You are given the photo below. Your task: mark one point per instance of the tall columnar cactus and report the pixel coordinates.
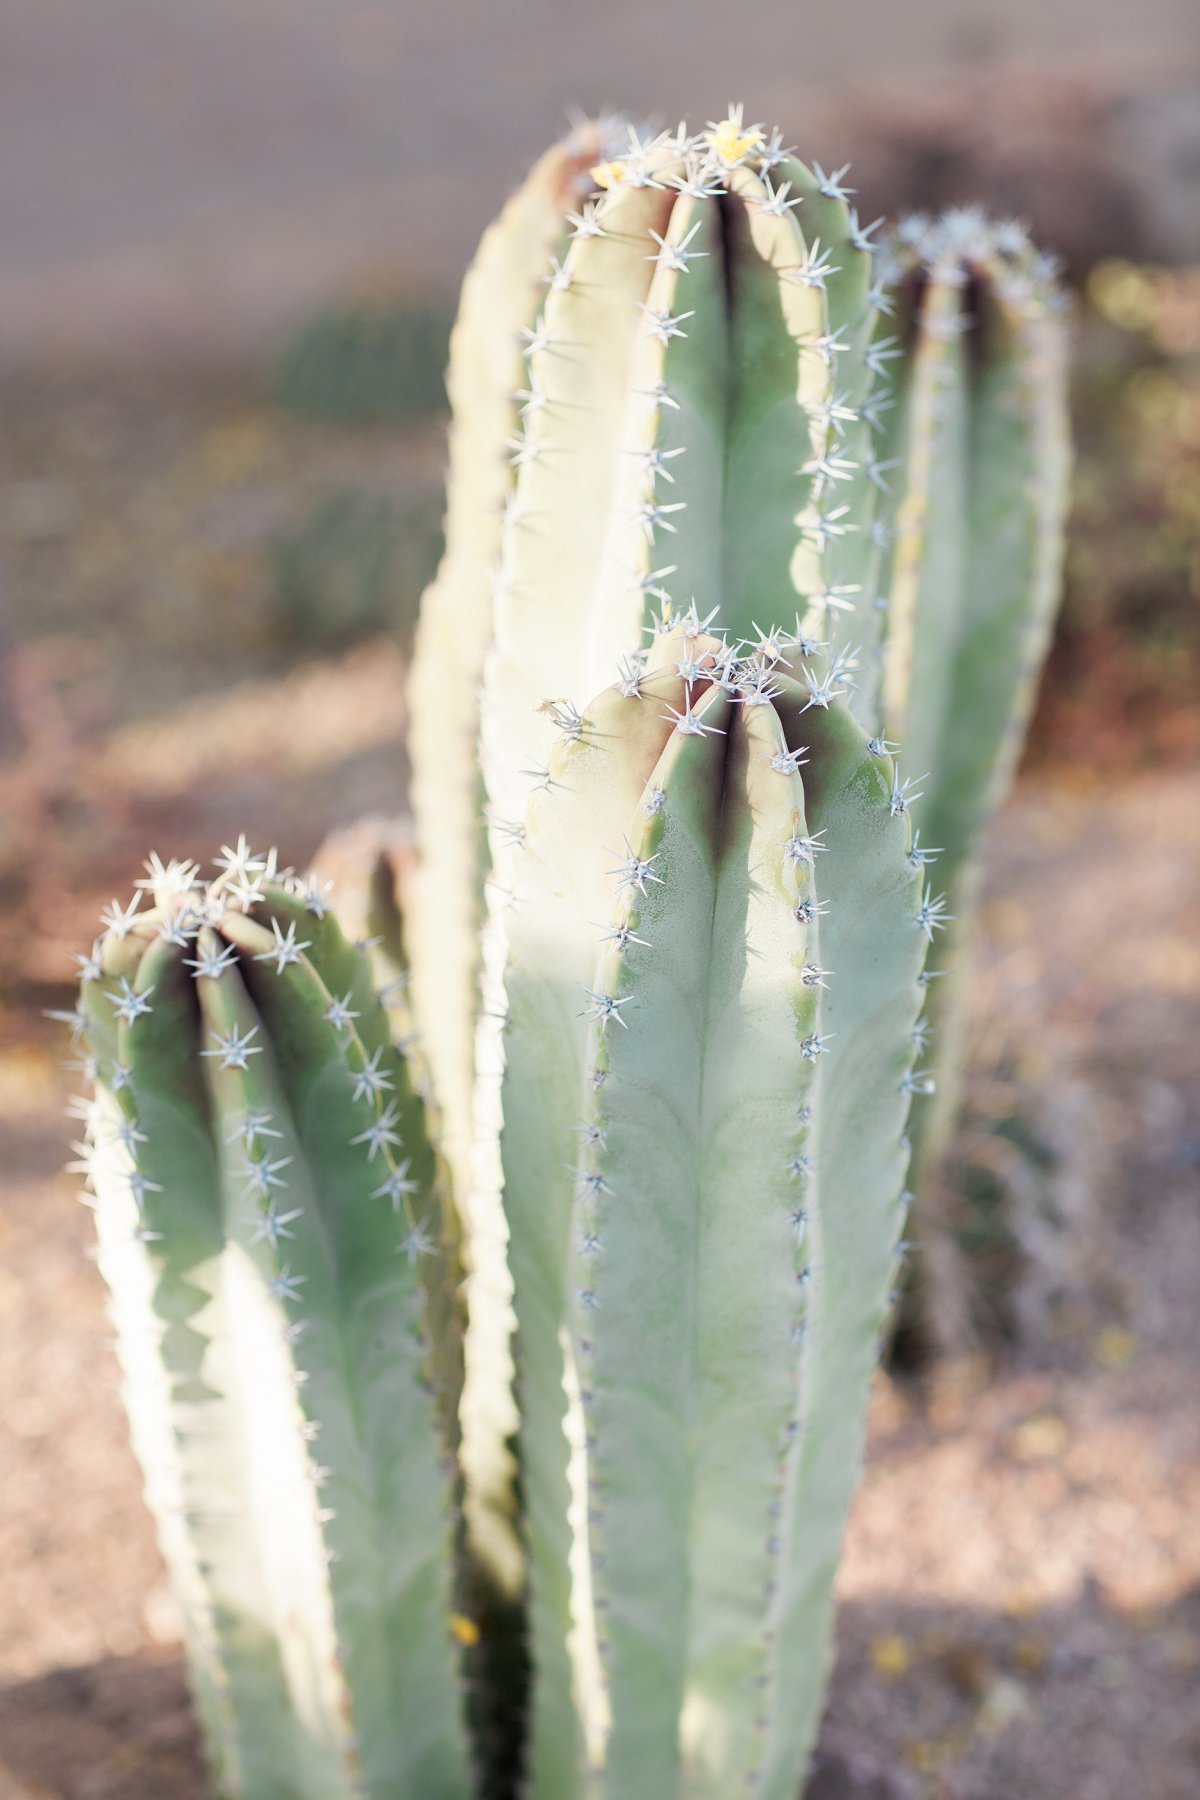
(282, 1276)
(978, 447)
(682, 416)
(715, 943)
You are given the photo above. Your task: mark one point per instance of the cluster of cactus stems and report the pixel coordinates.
(737, 505)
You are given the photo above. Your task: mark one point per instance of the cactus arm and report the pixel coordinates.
(269, 1302)
(789, 1419)
(977, 569)
(354, 1260)
(1019, 459)
(689, 1385)
(871, 942)
(502, 294)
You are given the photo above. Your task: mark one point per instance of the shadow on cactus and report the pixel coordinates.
(667, 922)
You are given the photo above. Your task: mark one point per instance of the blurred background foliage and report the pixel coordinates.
(1122, 681)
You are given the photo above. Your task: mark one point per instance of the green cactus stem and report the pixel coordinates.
(981, 446)
(682, 406)
(272, 1232)
(703, 1158)
(501, 298)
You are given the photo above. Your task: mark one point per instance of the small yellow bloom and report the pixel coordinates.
(731, 141)
(609, 174)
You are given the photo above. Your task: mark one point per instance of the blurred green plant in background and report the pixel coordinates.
(374, 359)
(352, 565)
(1129, 636)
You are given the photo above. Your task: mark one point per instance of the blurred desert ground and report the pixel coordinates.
(229, 238)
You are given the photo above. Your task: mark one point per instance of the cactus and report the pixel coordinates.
(702, 1157)
(667, 984)
(680, 389)
(501, 297)
(975, 517)
(282, 1283)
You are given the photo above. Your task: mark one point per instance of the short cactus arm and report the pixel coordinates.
(977, 564)
(280, 1235)
(188, 1342)
(709, 981)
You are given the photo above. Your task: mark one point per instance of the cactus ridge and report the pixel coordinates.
(267, 1200)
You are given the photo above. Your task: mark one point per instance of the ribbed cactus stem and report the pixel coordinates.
(680, 399)
(979, 502)
(501, 299)
(269, 1213)
(703, 1219)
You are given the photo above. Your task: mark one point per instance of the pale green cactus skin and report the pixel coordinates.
(703, 1159)
(978, 505)
(680, 392)
(273, 1236)
(501, 296)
